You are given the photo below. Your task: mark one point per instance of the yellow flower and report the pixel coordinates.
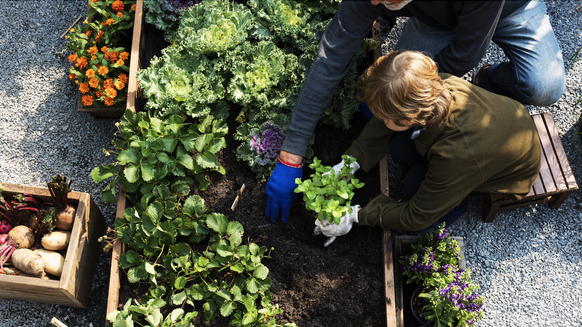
(72, 30)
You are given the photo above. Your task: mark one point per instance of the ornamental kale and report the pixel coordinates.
(260, 147)
(448, 289)
(163, 14)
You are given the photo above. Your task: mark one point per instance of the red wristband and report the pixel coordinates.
(290, 164)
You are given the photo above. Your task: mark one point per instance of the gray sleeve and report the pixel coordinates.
(337, 47)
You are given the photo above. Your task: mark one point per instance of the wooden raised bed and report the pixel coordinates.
(74, 286)
(117, 111)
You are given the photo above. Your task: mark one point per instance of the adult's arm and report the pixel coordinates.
(337, 47)
(476, 24)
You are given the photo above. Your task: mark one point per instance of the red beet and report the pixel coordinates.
(5, 226)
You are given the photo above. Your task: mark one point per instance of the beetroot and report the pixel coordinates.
(59, 189)
(3, 238)
(5, 226)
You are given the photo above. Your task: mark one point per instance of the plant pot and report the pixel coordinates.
(73, 287)
(414, 307)
(117, 110)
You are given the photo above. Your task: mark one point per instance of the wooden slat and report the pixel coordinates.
(547, 153)
(134, 62)
(390, 296)
(550, 153)
(560, 152)
(116, 252)
(537, 188)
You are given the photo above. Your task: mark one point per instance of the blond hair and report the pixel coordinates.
(405, 86)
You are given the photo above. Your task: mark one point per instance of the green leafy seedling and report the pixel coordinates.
(326, 194)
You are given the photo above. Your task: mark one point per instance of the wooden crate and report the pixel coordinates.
(74, 286)
(134, 65)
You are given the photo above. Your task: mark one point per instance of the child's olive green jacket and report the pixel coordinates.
(487, 143)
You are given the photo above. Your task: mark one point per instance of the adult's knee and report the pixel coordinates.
(544, 94)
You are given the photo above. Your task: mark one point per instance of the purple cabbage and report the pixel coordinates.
(176, 6)
(268, 143)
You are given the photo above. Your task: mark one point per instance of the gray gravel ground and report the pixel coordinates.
(528, 261)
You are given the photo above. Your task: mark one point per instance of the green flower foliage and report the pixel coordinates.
(327, 194)
(151, 149)
(194, 261)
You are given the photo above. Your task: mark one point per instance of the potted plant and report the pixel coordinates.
(100, 49)
(445, 295)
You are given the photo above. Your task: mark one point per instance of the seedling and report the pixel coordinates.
(327, 194)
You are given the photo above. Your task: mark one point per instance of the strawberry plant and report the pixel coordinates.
(327, 194)
(194, 261)
(151, 149)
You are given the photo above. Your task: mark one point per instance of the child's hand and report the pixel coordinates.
(332, 230)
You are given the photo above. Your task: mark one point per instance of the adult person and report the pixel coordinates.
(455, 33)
(450, 138)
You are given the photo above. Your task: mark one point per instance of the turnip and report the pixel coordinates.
(56, 240)
(29, 262)
(54, 261)
(20, 237)
(5, 226)
(59, 189)
(41, 221)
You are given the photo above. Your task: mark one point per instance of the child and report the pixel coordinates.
(450, 138)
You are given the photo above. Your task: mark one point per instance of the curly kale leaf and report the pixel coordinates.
(214, 27)
(264, 78)
(179, 82)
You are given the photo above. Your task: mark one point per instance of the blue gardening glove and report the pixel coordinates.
(280, 191)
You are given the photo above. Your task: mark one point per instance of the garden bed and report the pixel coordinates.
(341, 285)
(73, 288)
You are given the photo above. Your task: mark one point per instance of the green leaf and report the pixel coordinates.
(207, 160)
(163, 157)
(108, 194)
(217, 222)
(154, 212)
(186, 161)
(261, 271)
(156, 125)
(227, 308)
(180, 282)
(148, 171)
(131, 173)
(131, 155)
(252, 285)
(216, 144)
(202, 141)
(101, 173)
(194, 206)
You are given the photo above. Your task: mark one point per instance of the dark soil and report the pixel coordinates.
(338, 286)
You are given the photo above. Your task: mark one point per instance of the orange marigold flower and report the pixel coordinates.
(81, 62)
(110, 92)
(124, 55)
(108, 83)
(119, 85)
(93, 50)
(84, 88)
(72, 77)
(133, 7)
(87, 100)
(111, 55)
(98, 94)
(102, 70)
(123, 78)
(104, 49)
(110, 21)
(120, 62)
(73, 29)
(117, 5)
(88, 33)
(98, 37)
(108, 101)
(90, 72)
(120, 15)
(72, 57)
(93, 82)
(94, 1)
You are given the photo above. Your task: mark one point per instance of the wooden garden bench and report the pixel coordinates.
(555, 180)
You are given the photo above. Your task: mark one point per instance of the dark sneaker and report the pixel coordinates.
(449, 218)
